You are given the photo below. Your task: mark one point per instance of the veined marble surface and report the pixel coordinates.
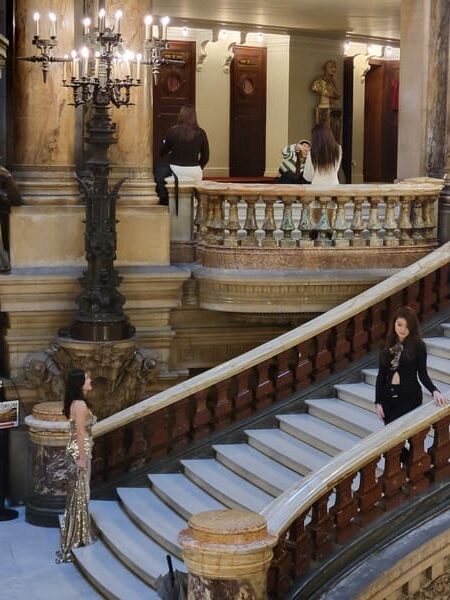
(28, 569)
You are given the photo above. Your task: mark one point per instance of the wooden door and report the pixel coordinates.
(381, 121)
(347, 126)
(248, 77)
(175, 88)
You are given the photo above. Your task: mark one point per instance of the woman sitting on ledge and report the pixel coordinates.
(324, 159)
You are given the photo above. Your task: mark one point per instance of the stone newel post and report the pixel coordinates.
(49, 434)
(227, 553)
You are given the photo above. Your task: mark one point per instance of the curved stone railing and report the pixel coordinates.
(248, 383)
(343, 216)
(309, 529)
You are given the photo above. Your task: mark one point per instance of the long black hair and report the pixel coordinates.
(412, 322)
(74, 389)
(187, 123)
(325, 151)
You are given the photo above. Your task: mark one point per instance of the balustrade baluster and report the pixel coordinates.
(117, 455)
(233, 225)
(243, 400)
(180, 425)
(342, 345)
(99, 465)
(417, 222)
(200, 220)
(357, 225)
(393, 478)
(429, 218)
(320, 528)
(340, 224)
(429, 295)
(202, 420)
(269, 225)
(374, 224)
(157, 432)
(390, 224)
(284, 378)
(281, 571)
(223, 407)
(208, 236)
(413, 294)
(360, 335)
(137, 451)
(287, 224)
(378, 323)
(369, 494)
(323, 360)
(264, 385)
(217, 227)
(304, 370)
(250, 225)
(404, 222)
(344, 511)
(442, 286)
(440, 450)
(306, 224)
(299, 541)
(419, 464)
(324, 226)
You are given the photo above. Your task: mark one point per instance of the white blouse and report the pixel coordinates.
(328, 177)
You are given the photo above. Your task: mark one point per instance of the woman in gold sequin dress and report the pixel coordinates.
(76, 528)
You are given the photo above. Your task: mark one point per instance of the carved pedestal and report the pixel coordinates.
(49, 434)
(227, 553)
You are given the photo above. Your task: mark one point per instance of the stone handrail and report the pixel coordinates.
(344, 216)
(261, 356)
(308, 528)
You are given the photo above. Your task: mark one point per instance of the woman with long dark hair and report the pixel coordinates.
(403, 360)
(324, 159)
(76, 528)
(185, 146)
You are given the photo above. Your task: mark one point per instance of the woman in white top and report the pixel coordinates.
(324, 159)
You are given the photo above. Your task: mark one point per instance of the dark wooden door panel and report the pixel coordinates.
(175, 88)
(248, 80)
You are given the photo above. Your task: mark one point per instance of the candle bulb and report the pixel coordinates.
(96, 64)
(52, 18)
(148, 21)
(118, 17)
(164, 22)
(86, 25)
(138, 65)
(36, 18)
(85, 55)
(65, 67)
(101, 20)
(74, 63)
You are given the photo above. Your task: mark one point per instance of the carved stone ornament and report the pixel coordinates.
(120, 372)
(438, 589)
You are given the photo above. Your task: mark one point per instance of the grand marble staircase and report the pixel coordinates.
(136, 533)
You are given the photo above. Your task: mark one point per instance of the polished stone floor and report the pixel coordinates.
(27, 567)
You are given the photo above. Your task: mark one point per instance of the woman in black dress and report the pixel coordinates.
(402, 360)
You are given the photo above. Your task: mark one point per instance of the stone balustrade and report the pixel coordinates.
(305, 216)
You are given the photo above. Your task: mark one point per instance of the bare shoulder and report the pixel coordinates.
(78, 408)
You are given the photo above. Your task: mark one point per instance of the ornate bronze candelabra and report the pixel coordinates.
(100, 76)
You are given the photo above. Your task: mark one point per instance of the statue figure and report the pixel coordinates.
(9, 196)
(325, 86)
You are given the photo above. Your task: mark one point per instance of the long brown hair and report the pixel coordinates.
(407, 313)
(74, 389)
(187, 122)
(325, 151)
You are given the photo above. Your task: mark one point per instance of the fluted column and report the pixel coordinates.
(131, 157)
(43, 121)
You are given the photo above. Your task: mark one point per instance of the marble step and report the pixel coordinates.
(287, 450)
(182, 495)
(226, 486)
(438, 346)
(370, 376)
(446, 329)
(129, 543)
(153, 516)
(109, 575)
(344, 415)
(359, 394)
(256, 467)
(317, 433)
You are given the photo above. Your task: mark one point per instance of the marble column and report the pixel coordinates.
(43, 122)
(131, 157)
(3, 49)
(228, 554)
(49, 434)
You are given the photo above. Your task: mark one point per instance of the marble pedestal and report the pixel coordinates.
(49, 434)
(227, 553)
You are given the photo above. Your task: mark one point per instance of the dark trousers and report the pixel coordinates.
(161, 171)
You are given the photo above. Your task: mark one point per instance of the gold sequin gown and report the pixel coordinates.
(76, 528)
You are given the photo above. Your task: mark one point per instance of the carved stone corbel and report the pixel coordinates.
(202, 55)
(229, 58)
